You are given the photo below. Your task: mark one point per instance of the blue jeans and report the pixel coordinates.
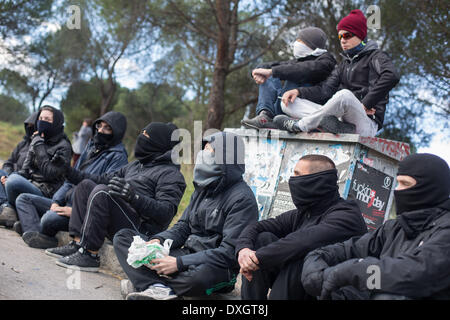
(30, 208)
(3, 197)
(16, 184)
(52, 222)
(268, 95)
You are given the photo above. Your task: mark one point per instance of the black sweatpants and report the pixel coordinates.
(285, 280)
(198, 280)
(96, 215)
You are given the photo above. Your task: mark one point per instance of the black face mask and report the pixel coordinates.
(314, 192)
(433, 183)
(145, 150)
(102, 140)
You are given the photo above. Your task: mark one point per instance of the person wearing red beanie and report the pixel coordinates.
(353, 98)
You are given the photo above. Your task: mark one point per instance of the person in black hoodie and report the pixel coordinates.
(271, 252)
(312, 64)
(104, 153)
(405, 258)
(17, 158)
(201, 259)
(357, 90)
(41, 172)
(143, 195)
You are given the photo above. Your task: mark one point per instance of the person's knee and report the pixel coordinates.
(14, 181)
(22, 199)
(265, 238)
(123, 236)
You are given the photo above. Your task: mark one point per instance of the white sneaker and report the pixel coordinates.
(154, 292)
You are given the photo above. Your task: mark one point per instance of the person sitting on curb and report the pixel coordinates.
(143, 195)
(15, 162)
(312, 64)
(357, 90)
(104, 153)
(270, 252)
(42, 172)
(201, 259)
(405, 258)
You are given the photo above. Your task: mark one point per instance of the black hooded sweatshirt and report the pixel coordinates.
(412, 252)
(47, 176)
(216, 214)
(19, 154)
(317, 221)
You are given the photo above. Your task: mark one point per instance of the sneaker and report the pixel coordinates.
(17, 227)
(63, 251)
(284, 122)
(333, 125)
(81, 260)
(8, 217)
(154, 292)
(35, 239)
(261, 121)
(126, 287)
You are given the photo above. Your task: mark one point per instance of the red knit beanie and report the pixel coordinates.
(355, 23)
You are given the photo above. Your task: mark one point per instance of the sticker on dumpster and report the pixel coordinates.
(370, 188)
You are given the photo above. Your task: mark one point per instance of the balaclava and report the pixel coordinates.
(148, 149)
(53, 129)
(432, 189)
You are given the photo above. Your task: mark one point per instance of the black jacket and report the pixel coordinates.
(309, 70)
(213, 220)
(301, 232)
(19, 154)
(370, 75)
(416, 267)
(159, 184)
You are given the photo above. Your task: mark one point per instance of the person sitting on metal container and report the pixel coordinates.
(312, 64)
(270, 252)
(201, 260)
(357, 90)
(405, 258)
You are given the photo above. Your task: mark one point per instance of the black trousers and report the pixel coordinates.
(284, 281)
(96, 215)
(199, 280)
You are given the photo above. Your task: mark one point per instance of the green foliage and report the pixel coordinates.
(12, 110)
(10, 136)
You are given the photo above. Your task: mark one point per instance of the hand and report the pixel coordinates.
(118, 187)
(64, 211)
(58, 158)
(3, 179)
(154, 241)
(247, 274)
(266, 73)
(247, 260)
(260, 77)
(330, 283)
(36, 140)
(289, 96)
(370, 112)
(164, 266)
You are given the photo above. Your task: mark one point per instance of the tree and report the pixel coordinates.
(230, 27)
(12, 110)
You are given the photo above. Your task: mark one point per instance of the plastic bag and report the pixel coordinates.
(141, 253)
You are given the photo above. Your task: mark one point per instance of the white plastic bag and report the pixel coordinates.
(141, 253)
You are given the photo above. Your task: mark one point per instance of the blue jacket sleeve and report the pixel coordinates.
(60, 195)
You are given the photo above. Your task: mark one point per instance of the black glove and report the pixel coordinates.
(118, 187)
(336, 277)
(58, 158)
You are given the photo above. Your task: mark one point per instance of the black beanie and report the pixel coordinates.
(432, 189)
(159, 141)
(313, 37)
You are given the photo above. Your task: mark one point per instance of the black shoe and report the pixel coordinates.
(287, 123)
(81, 260)
(35, 239)
(261, 121)
(17, 227)
(8, 216)
(333, 125)
(63, 251)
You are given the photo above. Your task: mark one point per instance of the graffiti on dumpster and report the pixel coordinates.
(396, 149)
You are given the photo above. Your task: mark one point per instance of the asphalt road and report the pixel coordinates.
(29, 274)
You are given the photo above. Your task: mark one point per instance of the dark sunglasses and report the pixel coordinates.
(346, 35)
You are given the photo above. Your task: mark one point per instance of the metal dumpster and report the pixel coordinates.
(366, 166)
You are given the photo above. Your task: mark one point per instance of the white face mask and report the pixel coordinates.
(301, 50)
